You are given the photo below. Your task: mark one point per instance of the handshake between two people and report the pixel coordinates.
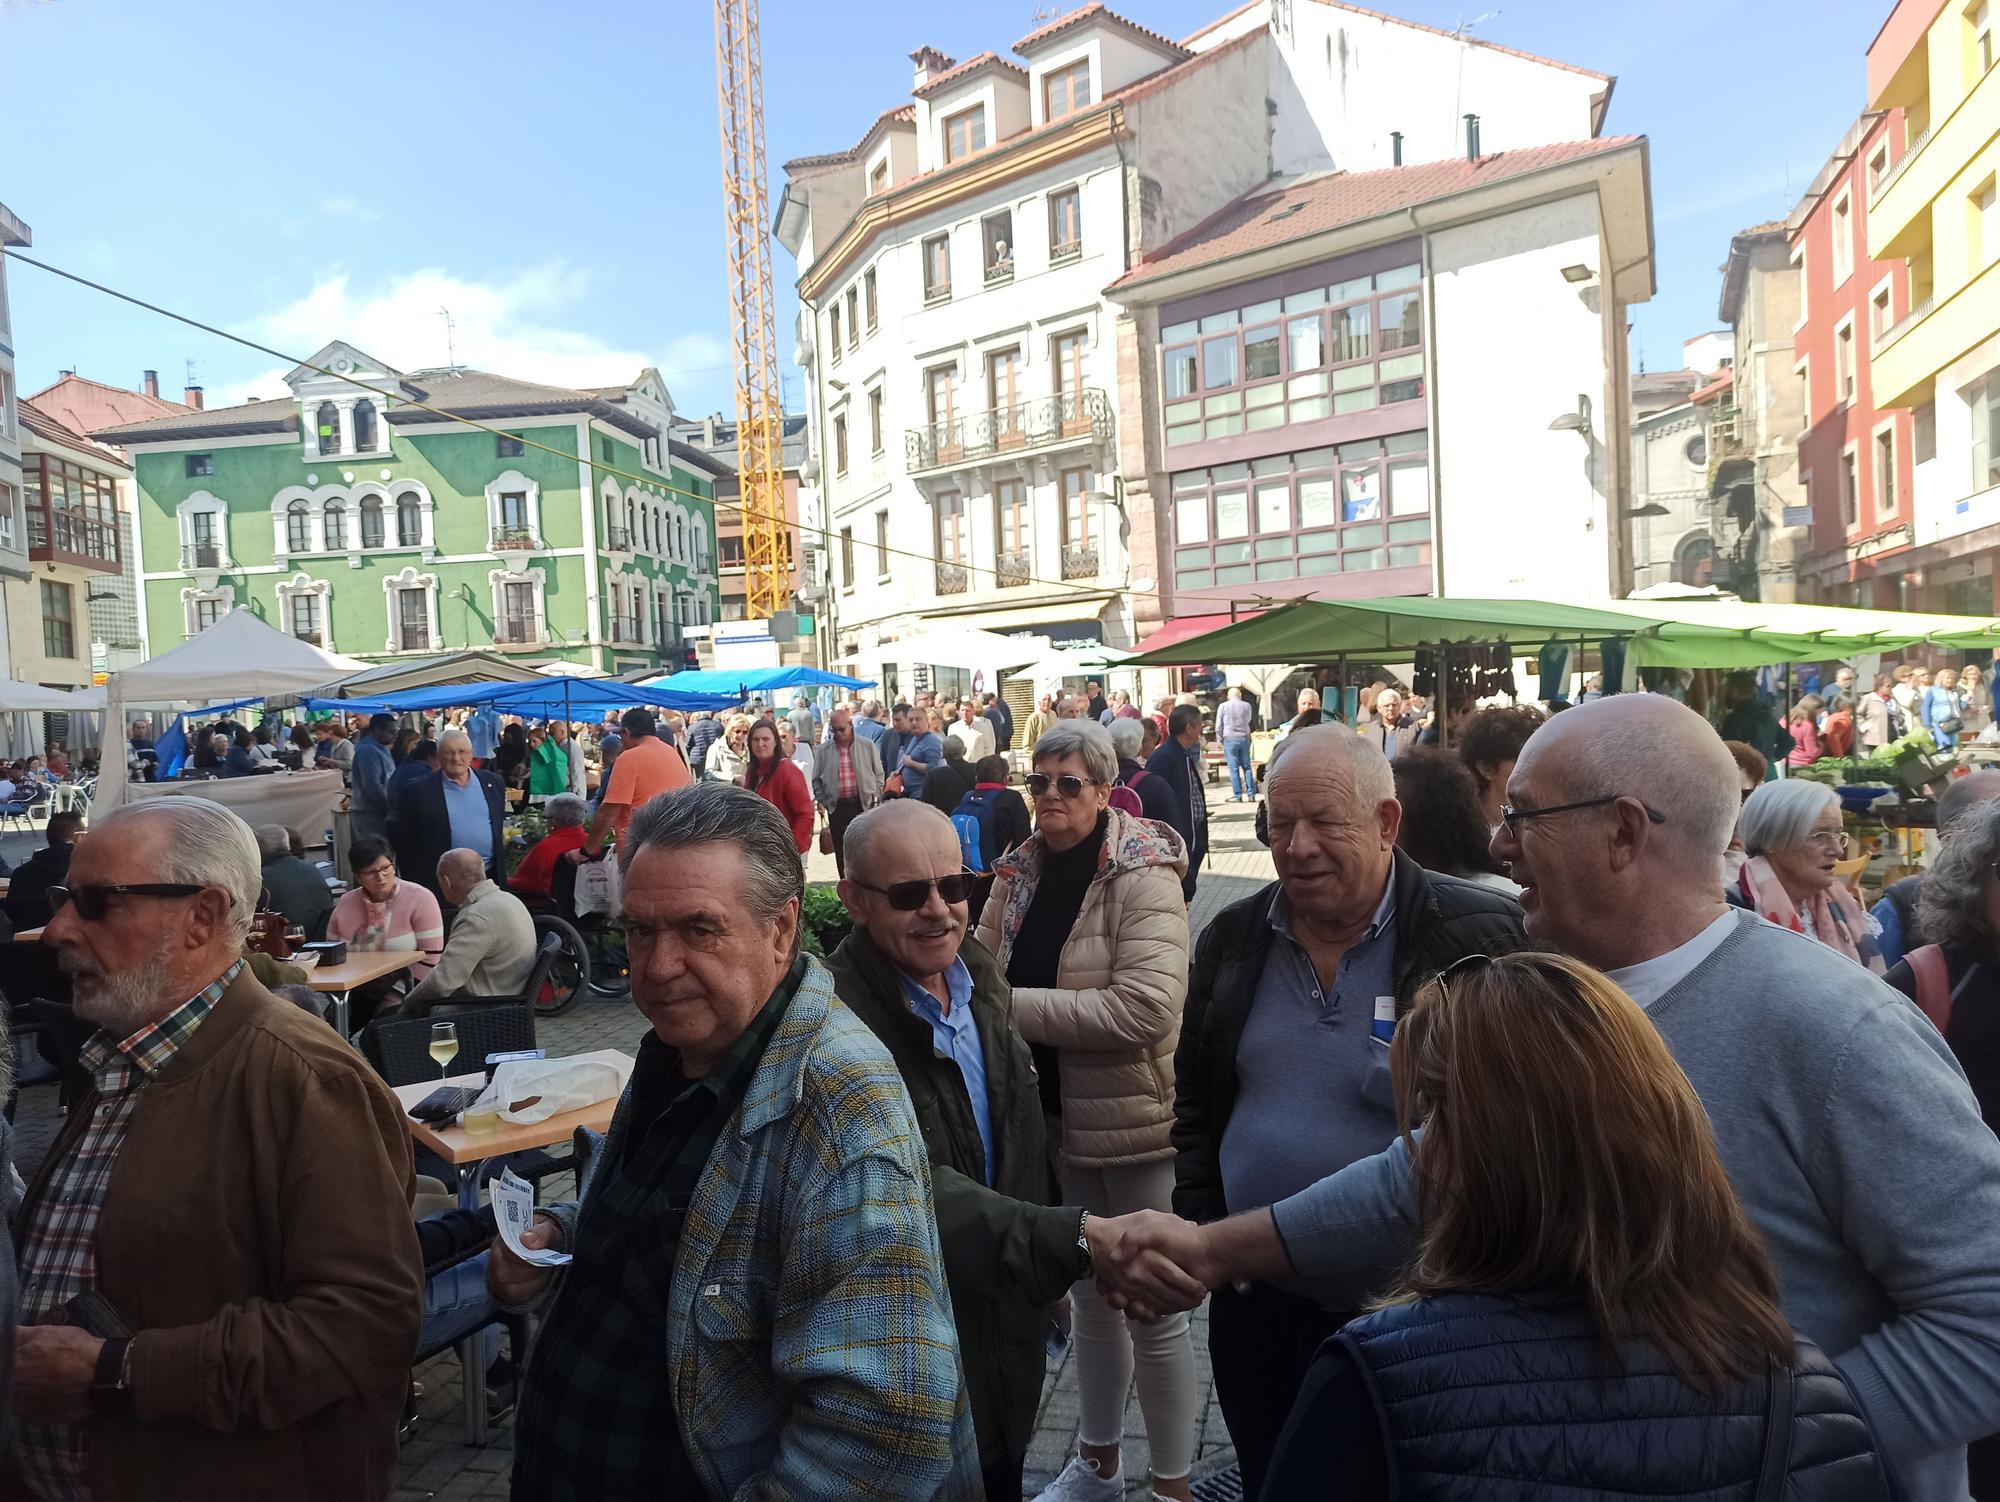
(1151, 1264)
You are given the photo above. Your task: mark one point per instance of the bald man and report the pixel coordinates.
(491, 948)
(941, 1005)
(1848, 1130)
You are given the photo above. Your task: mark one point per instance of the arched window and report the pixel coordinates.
(336, 526)
(631, 519)
(298, 527)
(364, 427)
(327, 426)
(646, 527)
(680, 538)
(371, 521)
(409, 520)
(1694, 561)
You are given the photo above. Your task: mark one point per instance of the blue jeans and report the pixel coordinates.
(455, 1304)
(1242, 774)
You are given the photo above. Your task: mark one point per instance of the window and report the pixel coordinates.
(1985, 226)
(847, 558)
(298, 528)
(371, 521)
(940, 393)
(334, 517)
(303, 615)
(1843, 238)
(1361, 507)
(1850, 490)
(506, 446)
(1066, 90)
(951, 527)
(409, 520)
(520, 619)
(1877, 165)
(1885, 473)
(1325, 352)
(731, 551)
(1076, 508)
(833, 332)
(58, 620)
(1843, 364)
(1878, 313)
(1003, 390)
(364, 427)
(200, 464)
(937, 268)
(840, 444)
(853, 317)
(868, 297)
(413, 619)
(996, 232)
(326, 427)
(1981, 19)
(513, 511)
(1984, 399)
(878, 179)
(1803, 284)
(1066, 354)
(6, 513)
(1065, 224)
(875, 422)
(882, 544)
(964, 133)
(1010, 524)
(205, 610)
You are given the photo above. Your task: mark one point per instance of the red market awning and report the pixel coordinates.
(1189, 626)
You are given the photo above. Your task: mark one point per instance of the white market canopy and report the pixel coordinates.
(33, 697)
(958, 649)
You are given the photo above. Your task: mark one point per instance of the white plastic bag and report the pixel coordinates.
(532, 1090)
(598, 887)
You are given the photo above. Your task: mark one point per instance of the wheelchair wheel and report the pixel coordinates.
(570, 974)
(610, 980)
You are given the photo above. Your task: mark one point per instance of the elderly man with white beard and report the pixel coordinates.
(220, 1284)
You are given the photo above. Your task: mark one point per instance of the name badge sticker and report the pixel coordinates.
(1384, 1028)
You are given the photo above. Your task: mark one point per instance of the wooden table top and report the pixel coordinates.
(359, 968)
(452, 1144)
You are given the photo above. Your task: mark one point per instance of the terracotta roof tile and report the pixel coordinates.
(1096, 10)
(1277, 214)
(965, 70)
(1714, 388)
(896, 114)
(83, 405)
(42, 425)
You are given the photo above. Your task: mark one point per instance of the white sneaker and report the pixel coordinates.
(1079, 1482)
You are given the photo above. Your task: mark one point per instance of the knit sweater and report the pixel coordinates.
(1858, 1151)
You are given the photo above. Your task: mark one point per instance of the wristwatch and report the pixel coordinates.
(110, 1386)
(1085, 1266)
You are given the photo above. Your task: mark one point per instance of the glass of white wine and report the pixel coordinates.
(444, 1045)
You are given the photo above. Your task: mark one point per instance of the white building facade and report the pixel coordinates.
(13, 526)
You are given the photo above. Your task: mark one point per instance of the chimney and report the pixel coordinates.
(150, 384)
(929, 63)
(708, 430)
(1395, 148)
(193, 397)
(1472, 138)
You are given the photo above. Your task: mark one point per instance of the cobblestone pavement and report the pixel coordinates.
(437, 1464)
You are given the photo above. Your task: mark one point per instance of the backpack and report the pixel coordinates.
(1125, 800)
(973, 819)
(1933, 977)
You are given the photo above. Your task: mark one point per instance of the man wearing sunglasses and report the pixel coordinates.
(220, 1279)
(942, 1007)
(1847, 1129)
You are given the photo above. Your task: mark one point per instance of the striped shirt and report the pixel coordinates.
(59, 1248)
(410, 919)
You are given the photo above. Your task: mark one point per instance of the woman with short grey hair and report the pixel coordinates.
(1796, 838)
(565, 811)
(1085, 739)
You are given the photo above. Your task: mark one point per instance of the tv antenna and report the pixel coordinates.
(450, 344)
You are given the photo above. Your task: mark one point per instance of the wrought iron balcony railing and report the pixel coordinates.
(951, 579)
(518, 630)
(201, 555)
(1079, 561)
(1071, 417)
(1010, 570)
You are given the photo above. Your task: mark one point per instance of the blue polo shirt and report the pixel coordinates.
(471, 819)
(926, 748)
(956, 1037)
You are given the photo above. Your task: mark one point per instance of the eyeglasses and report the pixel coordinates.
(1829, 839)
(908, 896)
(1514, 817)
(1070, 786)
(93, 902)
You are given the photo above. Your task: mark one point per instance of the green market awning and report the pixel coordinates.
(1676, 633)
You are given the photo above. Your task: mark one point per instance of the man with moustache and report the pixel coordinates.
(234, 1189)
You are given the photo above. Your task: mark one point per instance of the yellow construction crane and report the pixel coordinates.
(739, 78)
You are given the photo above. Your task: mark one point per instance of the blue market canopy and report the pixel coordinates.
(564, 698)
(740, 684)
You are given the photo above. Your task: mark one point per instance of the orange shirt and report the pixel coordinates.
(645, 768)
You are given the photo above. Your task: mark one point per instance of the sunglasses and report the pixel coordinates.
(908, 896)
(1071, 787)
(93, 902)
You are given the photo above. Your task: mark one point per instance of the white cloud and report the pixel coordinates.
(347, 208)
(517, 326)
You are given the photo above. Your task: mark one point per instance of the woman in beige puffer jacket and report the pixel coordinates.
(1087, 920)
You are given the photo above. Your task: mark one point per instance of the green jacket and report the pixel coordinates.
(1008, 1255)
(548, 769)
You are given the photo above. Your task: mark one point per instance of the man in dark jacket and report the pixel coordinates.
(1178, 765)
(941, 1006)
(457, 807)
(291, 886)
(1291, 1004)
(950, 780)
(1002, 720)
(28, 888)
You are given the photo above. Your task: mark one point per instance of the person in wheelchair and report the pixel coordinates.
(535, 880)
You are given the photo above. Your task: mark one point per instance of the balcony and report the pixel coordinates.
(73, 537)
(513, 539)
(1065, 250)
(310, 638)
(1010, 570)
(414, 639)
(1725, 428)
(951, 579)
(1080, 561)
(518, 631)
(1000, 272)
(208, 555)
(1917, 144)
(627, 628)
(1050, 422)
(1904, 324)
(616, 539)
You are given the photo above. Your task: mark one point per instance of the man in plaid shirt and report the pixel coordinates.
(756, 1308)
(847, 778)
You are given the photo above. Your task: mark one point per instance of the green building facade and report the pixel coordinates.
(381, 528)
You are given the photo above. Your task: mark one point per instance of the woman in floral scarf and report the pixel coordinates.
(1794, 836)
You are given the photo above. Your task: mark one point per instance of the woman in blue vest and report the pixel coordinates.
(1589, 1312)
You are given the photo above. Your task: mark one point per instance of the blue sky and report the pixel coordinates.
(549, 172)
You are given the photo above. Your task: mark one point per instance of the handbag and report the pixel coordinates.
(825, 838)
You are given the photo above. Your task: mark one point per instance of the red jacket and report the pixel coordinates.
(532, 876)
(785, 790)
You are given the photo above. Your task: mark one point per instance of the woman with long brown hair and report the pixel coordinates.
(1589, 1311)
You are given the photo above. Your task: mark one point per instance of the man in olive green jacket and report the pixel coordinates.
(941, 1005)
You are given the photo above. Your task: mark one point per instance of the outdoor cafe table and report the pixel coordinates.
(359, 968)
(465, 1153)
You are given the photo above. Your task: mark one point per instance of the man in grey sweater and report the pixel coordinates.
(1845, 1124)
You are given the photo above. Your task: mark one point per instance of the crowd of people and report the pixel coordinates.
(1556, 1087)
